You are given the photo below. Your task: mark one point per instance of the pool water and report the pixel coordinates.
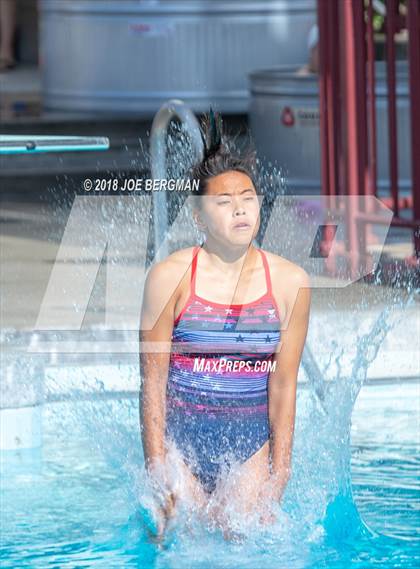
(77, 502)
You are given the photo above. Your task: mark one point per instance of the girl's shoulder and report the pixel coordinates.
(172, 268)
(287, 280)
(285, 271)
(181, 255)
(161, 287)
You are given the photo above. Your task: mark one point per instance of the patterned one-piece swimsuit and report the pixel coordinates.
(217, 398)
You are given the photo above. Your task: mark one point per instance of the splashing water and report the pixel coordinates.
(317, 522)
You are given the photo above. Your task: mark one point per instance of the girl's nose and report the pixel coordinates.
(238, 208)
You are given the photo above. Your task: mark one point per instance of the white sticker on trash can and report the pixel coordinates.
(308, 117)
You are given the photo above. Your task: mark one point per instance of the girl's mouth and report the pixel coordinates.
(242, 225)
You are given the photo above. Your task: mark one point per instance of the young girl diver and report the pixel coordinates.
(226, 324)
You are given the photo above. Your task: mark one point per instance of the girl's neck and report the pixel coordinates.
(233, 257)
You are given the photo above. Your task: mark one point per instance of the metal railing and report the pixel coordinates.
(348, 115)
(173, 109)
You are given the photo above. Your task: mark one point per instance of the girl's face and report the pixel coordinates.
(230, 209)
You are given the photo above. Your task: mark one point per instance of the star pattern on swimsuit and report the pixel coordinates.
(228, 310)
(267, 339)
(208, 308)
(239, 338)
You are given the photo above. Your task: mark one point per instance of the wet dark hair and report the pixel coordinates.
(220, 155)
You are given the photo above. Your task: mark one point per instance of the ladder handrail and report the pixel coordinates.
(175, 108)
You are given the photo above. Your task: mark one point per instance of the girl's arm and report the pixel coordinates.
(156, 327)
(283, 379)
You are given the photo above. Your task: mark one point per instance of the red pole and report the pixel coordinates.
(392, 107)
(334, 97)
(329, 115)
(324, 78)
(372, 103)
(356, 132)
(413, 25)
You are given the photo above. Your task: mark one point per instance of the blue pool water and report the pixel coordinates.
(79, 502)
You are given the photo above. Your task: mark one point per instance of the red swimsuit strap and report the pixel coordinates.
(196, 250)
(193, 277)
(267, 271)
